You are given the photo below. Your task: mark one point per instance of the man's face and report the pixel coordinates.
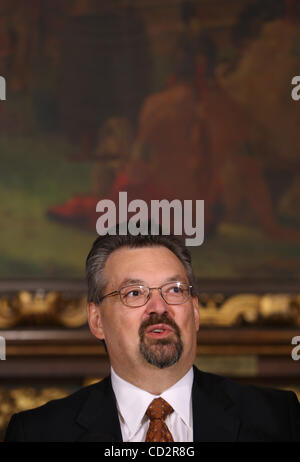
(128, 332)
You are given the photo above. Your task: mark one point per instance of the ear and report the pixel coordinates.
(195, 302)
(95, 320)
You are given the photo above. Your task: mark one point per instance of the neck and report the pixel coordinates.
(151, 378)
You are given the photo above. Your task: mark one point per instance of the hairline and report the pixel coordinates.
(99, 254)
(132, 247)
(106, 245)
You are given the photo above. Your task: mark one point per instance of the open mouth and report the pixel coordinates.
(159, 331)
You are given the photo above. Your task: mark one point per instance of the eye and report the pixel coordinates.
(175, 289)
(133, 292)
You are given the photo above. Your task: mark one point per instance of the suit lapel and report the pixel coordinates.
(99, 415)
(212, 410)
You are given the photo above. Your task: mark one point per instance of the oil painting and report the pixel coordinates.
(181, 99)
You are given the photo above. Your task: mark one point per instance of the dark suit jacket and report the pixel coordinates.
(222, 411)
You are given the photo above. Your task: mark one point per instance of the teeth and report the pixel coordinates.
(157, 330)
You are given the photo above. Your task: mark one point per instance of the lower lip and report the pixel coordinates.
(162, 334)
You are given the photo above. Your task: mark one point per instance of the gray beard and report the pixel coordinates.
(163, 353)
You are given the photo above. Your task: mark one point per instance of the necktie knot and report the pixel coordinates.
(159, 409)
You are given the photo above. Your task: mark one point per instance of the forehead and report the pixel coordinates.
(152, 265)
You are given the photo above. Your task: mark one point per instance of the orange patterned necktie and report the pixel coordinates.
(158, 431)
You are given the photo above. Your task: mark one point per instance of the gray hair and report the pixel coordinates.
(105, 245)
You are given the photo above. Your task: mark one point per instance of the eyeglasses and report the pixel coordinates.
(173, 293)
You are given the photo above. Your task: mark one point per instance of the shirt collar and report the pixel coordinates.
(179, 397)
(132, 402)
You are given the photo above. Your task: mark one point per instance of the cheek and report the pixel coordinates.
(123, 328)
(186, 322)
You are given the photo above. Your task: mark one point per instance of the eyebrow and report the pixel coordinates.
(129, 281)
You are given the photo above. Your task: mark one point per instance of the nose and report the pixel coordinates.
(156, 303)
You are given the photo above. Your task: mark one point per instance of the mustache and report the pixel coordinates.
(158, 319)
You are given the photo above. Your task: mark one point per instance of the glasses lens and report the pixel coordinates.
(134, 295)
(176, 293)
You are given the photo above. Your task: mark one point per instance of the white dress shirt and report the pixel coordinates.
(132, 403)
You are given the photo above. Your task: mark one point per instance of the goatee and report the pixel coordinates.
(162, 352)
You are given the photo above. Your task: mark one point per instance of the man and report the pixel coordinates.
(142, 302)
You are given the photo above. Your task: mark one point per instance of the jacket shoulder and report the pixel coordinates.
(52, 418)
(256, 406)
(212, 382)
